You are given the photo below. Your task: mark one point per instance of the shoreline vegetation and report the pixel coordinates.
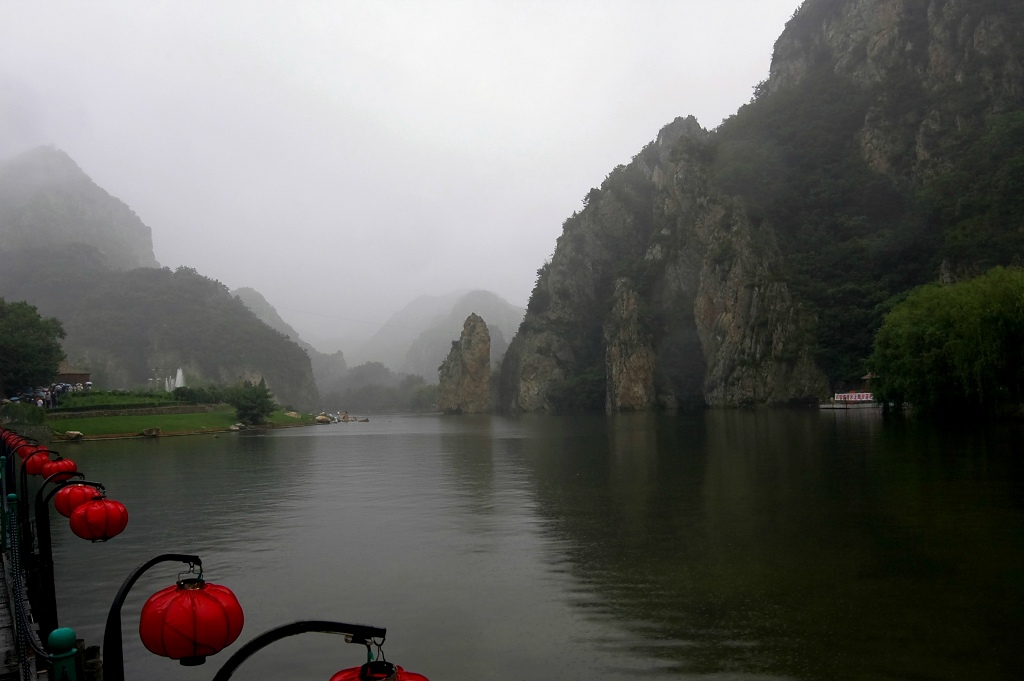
(205, 419)
(220, 419)
(89, 415)
(132, 415)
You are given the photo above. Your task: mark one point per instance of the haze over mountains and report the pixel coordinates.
(417, 338)
(414, 340)
(747, 264)
(46, 200)
(82, 255)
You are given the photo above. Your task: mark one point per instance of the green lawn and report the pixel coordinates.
(167, 423)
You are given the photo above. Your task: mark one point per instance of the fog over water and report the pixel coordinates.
(343, 158)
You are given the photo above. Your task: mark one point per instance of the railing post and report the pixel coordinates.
(3, 504)
(25, 527)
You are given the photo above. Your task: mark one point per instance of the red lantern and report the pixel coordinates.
(71, 497)
(99, 519)
(190, 620)
(26, 449)
(379, 670)
(34, 464)
(59, 465)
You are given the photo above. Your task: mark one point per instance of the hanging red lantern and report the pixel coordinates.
(71, 497)
(34, 464)
(190, 620)
(99, 519)
(26, 449)
(378, 670)
(62, 466)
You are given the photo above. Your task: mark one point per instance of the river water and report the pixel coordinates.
(716, 545)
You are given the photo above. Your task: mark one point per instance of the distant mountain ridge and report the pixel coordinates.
(417, 338)
(389, 344)
(46, 201)
(255, 301)
(429, 349)
(328, 369)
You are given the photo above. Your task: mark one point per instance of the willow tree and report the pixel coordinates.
(954, 347)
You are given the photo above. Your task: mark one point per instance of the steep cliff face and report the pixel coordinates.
(717, 328)
(751, 264)
(936, 67)
(629, 352)
(757, 342)
(464, 385)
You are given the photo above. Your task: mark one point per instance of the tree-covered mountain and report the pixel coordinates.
(127, 327)
(753, 263)
(46, 201)
(83, 257)
(328, 370)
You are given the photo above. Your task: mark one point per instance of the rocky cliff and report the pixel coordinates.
(751, 264)
(629, 352)
(934, 67)
(465, 375)
(700, 320)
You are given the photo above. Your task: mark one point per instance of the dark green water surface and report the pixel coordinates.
(718, 545)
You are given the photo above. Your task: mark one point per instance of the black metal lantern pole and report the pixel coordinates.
(113, 649)
(28, 554)
(26, 529)
(45, 581)
(361, 634)
(9, 472)
(13, 486)
(11, 477)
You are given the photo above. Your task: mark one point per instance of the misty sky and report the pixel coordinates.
(345, 157)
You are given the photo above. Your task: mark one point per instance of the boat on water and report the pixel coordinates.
(851, 400)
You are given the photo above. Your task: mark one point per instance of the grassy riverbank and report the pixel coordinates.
(169, 424)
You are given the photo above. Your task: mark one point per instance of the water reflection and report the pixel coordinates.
(747, 545)
(793, 544)
(468, 457)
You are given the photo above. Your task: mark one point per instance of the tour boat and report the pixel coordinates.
(851, 400)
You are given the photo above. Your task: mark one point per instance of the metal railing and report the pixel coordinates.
(13, 575)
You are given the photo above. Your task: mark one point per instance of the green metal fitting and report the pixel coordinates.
(61, 643)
